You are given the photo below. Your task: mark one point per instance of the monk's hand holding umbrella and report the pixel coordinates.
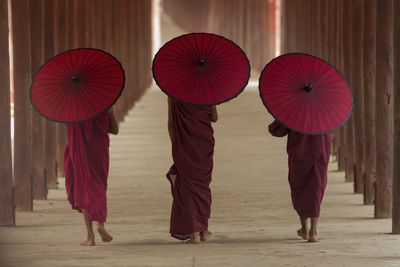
(197, 71)
(308, 99)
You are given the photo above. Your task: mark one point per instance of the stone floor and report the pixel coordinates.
(252, 218)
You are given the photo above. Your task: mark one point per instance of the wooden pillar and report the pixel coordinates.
(356, 84)
(50, 126)
(369, 72)
(348, 129)
(38, 123)
(384, 108)
(7, 213)
(22, 104)
(396, 131)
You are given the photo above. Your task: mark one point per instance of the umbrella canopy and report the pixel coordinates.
(77, 85)
(305, 93)
(201, 68)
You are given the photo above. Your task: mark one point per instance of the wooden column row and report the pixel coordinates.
(364, 54)
(40, 30)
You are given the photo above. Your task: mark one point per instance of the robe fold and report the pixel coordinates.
(192, 153)
(308, 167)
(86, 163)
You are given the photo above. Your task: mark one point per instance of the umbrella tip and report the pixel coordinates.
(202, 62)
(74, 78)
(308, 87)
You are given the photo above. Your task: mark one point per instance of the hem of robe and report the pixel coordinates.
(189, 230)
(93, 218)
(307, 214)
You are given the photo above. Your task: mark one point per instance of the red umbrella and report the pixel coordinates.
(77, 85)
(305, 93)
(201, 68)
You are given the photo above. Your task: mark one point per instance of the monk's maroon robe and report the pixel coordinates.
(86, 162)
(308, 167)
(192, 153)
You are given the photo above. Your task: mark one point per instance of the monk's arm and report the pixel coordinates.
(114, 129)
(214, 114)
(277, 129)
(171, 123)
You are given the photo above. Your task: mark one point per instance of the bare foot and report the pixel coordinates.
(194, 238)
(105, 236)
(88, 242)
(303, 233)
(313, 238)
(205, 235)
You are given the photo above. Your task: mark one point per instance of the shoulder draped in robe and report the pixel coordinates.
(308, 167)
(86, 163)
(192, 153)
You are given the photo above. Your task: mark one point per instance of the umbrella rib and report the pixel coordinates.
(312, 72)
(329, 78)
(60, 95)
(297, 70)
(178, 53)
(66, 71)
(338, 100)
(196, 47)
(327, 92)
(298, 114)
(323, 114)
(304, 71)
(298, 100)
(69, 70)
(90, 103)
(180, 82)
(83, 63)
(323, 76)
(215, 78)
(90, 63)
(175, 65)
(288, 72)
(321, 86)
(51, 96)
(93, 93)
(99, 87)
(325, 104)
(218, 40)
(222, 55)
(72, 64)
(190, 48)
(99, 67)
(280, 91)
(211, 86)
(208, 45)
(279, 97)
(287, 100)
(105, 72)
(191, 91)
(83, 106)
(186, 86)
(282, 80)
(44, 92)
(227, 74)
(83, 59)
(47, 69)
(112, 84)
(220, 51)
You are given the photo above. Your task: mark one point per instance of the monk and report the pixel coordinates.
(86, 163)
(192, 138)
(308, 166)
